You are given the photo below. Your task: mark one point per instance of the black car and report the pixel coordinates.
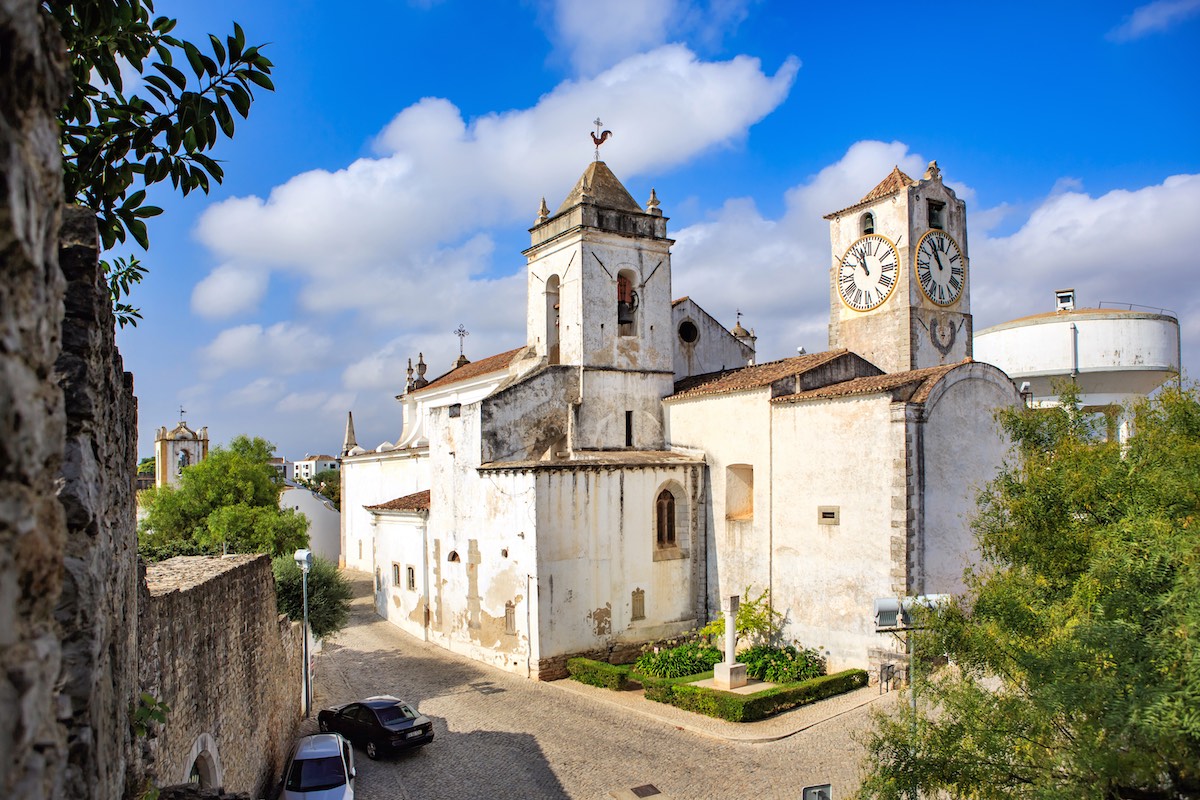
(378, 724)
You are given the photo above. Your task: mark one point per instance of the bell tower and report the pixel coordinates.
(599, 297)
(899, 284)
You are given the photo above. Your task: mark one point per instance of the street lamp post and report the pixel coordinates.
(304, 561)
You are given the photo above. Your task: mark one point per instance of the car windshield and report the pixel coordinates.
(315, 774)
(393, 714)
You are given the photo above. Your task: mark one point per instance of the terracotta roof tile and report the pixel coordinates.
(894, 182)
(472, 370)
(679, 300)
(754, 377)
(925, 379)
(418, 501)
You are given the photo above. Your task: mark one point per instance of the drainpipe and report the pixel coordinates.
(1074, 352)
(528, 627)
(425, 570)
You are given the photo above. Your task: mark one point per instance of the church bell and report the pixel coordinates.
(627, 301)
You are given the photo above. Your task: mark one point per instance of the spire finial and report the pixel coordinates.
(599, 137)
(652, 205)
(409, 385)
(932, 171)
(350, 442)
(543, 212)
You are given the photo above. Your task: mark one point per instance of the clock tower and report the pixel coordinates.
(899, 284)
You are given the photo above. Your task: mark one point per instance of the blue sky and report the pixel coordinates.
(382, 195)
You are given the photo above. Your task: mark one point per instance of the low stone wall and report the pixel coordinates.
(214, 648)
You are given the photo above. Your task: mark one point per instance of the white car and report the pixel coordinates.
(320, 767)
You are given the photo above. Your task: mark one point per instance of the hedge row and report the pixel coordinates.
(751, 707)
(598, 673)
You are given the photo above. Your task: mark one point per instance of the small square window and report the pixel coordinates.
(456, 410)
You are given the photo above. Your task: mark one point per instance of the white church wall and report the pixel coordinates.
(731, 429)
(600, 422)
(596, 546)
(370, 479)
(841, 456)
(712, 348)
(480, 548)
(963, 449)
(400, 546)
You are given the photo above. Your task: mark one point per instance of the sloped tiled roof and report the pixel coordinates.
(924, 379)
(679, 300)
(894, 182)
(418, 501)
(472, 370)
(754, 377)
(604, 189)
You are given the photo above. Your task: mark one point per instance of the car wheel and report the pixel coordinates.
(324, 726)
(372, 750)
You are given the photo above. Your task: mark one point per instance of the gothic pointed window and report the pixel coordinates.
(665, 518)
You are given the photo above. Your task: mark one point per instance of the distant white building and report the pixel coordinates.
(286, 469)
(310, 465)
(325, 522)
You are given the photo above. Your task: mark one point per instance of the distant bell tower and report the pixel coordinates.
(899, 285)
(599, 272)
(177, 449)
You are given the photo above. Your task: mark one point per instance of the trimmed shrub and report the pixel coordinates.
(782, 664)
(598, 673)
(676, 662)
(751, 707)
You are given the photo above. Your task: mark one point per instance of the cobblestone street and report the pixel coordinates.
(502, 736)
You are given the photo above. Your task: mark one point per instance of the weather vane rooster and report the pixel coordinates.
(599, 137)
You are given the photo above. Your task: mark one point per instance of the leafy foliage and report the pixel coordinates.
(117, 143)
(675, 662)
(328, 483)
(1076, 653)
(787, 664)
(229, 502)
(146, 466)
(599, 673)
(757, 620)
(759, 705)
(329, 594)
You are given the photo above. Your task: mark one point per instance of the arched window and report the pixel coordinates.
(868, 223)
(552, 319)
(453, 557)
(664, 518)
(627, 304)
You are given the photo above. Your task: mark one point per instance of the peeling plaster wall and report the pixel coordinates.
(607, 396)
(523, 420)
(596, 537)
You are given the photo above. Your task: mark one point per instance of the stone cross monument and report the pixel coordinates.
(729, 674)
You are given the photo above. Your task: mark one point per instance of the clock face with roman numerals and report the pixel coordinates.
(867, 273)
(941, 268)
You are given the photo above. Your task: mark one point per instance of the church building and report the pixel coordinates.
(607, 483)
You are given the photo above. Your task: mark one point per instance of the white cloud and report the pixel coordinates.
(594, 36)
(228, 290)
(1154, 18)
(366, 236)
(279, 349)
(259, 391)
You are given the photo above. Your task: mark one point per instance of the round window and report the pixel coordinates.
(688, 332)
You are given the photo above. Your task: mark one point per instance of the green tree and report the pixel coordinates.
(757, 620)
(1074, 658)
(328, 482)
(146, 466)
(329, 594)
(229, 502)
(116, 143)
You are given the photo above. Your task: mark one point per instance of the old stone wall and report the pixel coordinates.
(100, 567)
(215, 649)
(33, 749)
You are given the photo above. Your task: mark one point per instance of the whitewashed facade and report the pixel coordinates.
(606, 484)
